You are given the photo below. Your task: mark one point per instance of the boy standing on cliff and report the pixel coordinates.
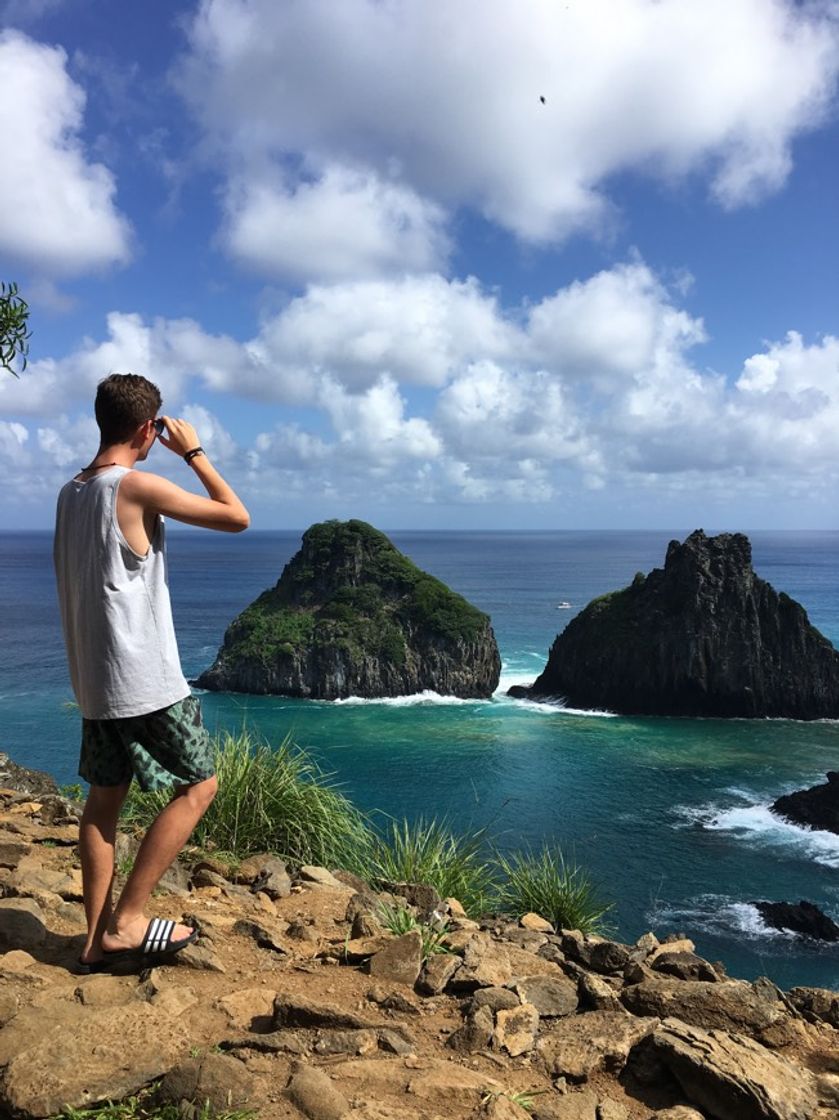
(139, 718)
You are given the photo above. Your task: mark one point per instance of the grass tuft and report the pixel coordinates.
(522, 1099)
(270, 799)
(144, 1106)
(430, 852)
(545, 883)
(279, 800)
(400, 920)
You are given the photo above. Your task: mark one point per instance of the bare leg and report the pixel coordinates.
(97, 836)
(165, 838)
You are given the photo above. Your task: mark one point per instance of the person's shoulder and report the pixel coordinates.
(140, 484)
(134, 479)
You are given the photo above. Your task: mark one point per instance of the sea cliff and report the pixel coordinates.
(704, 636)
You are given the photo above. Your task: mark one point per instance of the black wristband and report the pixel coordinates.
(190, 455)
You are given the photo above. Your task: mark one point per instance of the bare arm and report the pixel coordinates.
(221, 510)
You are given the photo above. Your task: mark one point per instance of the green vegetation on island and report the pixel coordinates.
(310, 605)
(351, 615)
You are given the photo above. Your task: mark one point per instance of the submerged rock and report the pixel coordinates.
(704, 636)
(817, 807)
(352, 616)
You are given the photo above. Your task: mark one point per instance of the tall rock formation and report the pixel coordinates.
(352, 616)
(704, 636)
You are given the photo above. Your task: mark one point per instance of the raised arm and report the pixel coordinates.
(221, 510)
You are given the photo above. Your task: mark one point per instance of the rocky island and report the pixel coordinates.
(704, 636)
(352, 616)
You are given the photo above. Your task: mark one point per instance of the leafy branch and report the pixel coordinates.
(14, 335)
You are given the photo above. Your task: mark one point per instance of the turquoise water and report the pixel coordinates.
(670, 815)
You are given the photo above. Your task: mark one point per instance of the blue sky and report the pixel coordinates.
(384, 279)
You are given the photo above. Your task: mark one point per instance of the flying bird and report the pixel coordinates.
(541, 98)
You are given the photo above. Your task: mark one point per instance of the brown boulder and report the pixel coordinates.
(584, 1044)
(248, 1008)
(21, 923)
(733, 1078)
(730, 1005)
(437, 1082)
(81, 1056)
(580, 1104)
(12, 852)
(816, 1004)
(475, 1034)
(486, 964)
(535, 922)
(315, 1094)
(400, 960)
(684, 966)
(437, 972)
(552, 996)
(216, 1080)
(496, 999)
(291, 1010)
(516, 1029)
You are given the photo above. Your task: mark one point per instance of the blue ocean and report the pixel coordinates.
(671, 816)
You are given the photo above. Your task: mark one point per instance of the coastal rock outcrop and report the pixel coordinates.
(353, 616)
(704, 636)
(285, 1024)
(802, 917)
(817, 807)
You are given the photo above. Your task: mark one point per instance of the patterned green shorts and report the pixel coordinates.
(163, 748)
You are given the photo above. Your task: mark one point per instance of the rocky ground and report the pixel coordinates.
(295, 1002)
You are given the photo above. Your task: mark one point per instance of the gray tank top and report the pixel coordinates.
(115, 606)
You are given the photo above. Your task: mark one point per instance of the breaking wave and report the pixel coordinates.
(755, 822)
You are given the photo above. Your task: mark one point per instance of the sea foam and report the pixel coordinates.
(545, 707)
(425, 697)
(755, 822)
(719, 915)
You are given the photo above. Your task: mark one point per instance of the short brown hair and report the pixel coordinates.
(123, 402)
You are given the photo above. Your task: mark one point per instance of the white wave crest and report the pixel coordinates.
(509, 678)
(547, 707)
(425, 697)
(758, 824)
(720, 915)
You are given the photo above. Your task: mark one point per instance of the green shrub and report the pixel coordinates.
(430, 852)
(271, 799)
(14, 332)
(436, 606)
(547, 884)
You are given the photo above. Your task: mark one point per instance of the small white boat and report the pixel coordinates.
(563, 606)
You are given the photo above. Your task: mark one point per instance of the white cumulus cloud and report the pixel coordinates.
(422, 389)
(344, 224)
(57, 210)
(612, 325)
(373, 426)
(492, 413)
(417, 329)
(448, 96)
